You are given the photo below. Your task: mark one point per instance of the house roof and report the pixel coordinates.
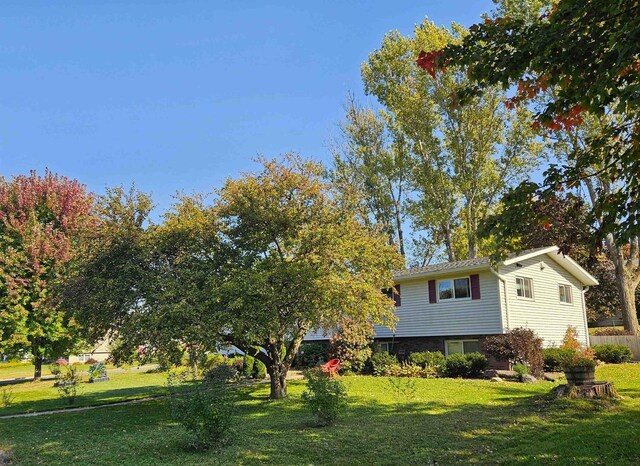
(484, 263)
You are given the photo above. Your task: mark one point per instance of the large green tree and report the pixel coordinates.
(43, 221)
(300, 259)
(278, 254)
(578, 61)
(467, 155)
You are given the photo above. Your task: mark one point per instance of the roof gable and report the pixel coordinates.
(484, 263)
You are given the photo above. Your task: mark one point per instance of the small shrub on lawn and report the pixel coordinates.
(614, 354)
(457, 366)
(223, 373)
(237, 363)
(311, 354)
(554, 358)
(325, 397)
(206, 411)
(67, 383)
(478, 363)
(62, 362)
(433, 360)
(518, 346)
(91, 361)
(403, 390)
(381, 360)
(6, 396)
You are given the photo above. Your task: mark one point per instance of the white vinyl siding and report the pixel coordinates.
(545, 314)
(418, 317)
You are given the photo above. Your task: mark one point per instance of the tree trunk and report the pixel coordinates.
(627, 294)
(37, 362)
(400, 233)
(448, 243)
(278, 376)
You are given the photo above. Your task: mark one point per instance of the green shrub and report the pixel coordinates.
(221, 374)
(310, 354)
(6, 396)
(381, 360)
(351, 344)
(554, 358)
(403, 370)
(457, 366)
(205, 411)
(67, 383)
(96, 370)
(614, 354)
(259, 370)
(520, 369)
(212, 360)
(247, 365)
(433, 360)
(325, 397)
(477, 363)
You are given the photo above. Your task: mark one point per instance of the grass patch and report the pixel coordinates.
(122, 386)
(12, 370)
(449, 421)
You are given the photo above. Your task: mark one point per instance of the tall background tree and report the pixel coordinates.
(464, 156)
(579, 61)
(43, 221)
(372, 161)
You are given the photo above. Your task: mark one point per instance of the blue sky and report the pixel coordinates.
(180, 95)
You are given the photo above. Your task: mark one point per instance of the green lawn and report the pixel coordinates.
(16, 371)
(42, 396)
(451, 421)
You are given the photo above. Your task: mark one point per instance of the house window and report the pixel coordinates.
(565, 294)
(84, 357)
(524, 287)
(461, 346)
(385, 347)
(456, 288)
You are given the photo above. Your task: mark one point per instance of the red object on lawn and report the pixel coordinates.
(331, 367)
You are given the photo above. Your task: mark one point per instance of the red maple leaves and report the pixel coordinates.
(428, 61)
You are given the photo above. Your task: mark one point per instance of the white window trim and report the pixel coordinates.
(453, 289)
(533, 292)
(567, 285)
(446, 346)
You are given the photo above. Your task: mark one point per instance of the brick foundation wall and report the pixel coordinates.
(404, 346)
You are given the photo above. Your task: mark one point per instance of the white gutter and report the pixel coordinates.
(506, 299)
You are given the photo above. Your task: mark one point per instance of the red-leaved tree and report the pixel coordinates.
(42, 223)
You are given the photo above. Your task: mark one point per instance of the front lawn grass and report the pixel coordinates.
(122, 386)
(449, 421)
(25, 370)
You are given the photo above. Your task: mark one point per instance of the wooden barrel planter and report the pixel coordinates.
(580, 375)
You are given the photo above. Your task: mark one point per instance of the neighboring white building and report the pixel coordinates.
(99, 352)
(451, 307)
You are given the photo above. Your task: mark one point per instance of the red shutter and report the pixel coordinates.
(396, 296)
(432, 291)
(475, 286)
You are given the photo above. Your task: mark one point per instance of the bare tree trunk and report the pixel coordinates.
(400, 233)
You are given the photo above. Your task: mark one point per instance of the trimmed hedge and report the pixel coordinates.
(613, 354)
